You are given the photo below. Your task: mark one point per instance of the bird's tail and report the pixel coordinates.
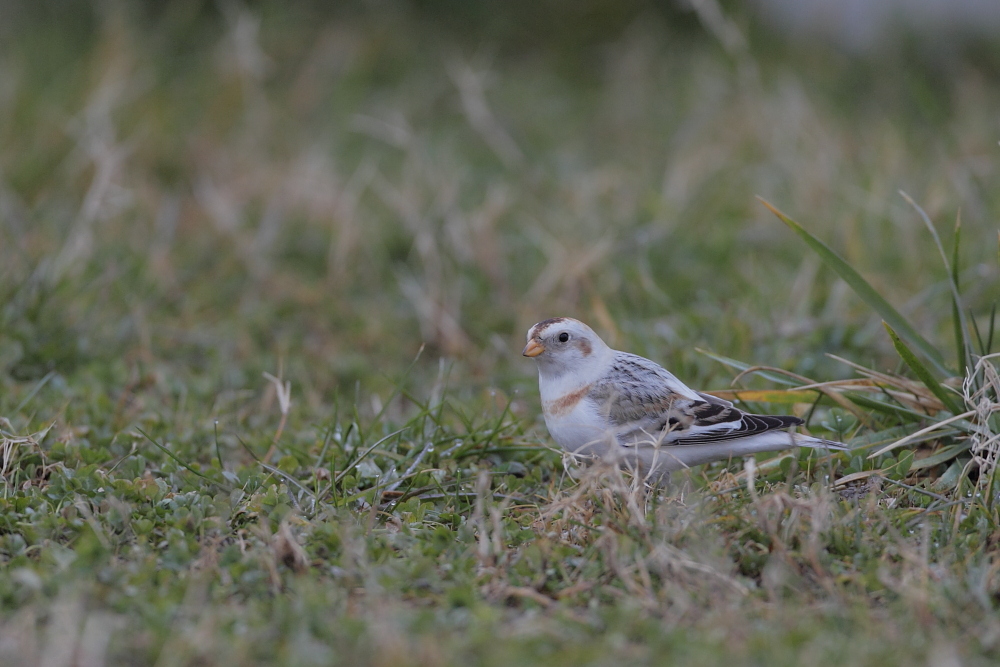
(819, 443)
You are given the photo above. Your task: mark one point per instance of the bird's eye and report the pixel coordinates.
(563, 337)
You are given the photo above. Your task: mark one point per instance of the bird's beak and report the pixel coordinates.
(533, 348)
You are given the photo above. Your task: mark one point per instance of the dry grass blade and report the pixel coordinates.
(930, 429)
(909, 392)
(855, 477)
(11, 444)
(617, 510)
(284, 392)
(982, 393)
(784, 396)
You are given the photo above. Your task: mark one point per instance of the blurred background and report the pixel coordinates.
(193, 192)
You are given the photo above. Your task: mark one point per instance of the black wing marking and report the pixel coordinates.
(747, 426)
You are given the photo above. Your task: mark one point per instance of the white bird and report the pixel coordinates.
(599, 402)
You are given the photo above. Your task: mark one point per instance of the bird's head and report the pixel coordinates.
(562, 344)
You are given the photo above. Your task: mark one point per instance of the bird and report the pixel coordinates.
(602, 403)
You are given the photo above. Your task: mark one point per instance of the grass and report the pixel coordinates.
(264, 279)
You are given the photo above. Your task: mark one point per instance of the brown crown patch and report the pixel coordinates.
(545, 324)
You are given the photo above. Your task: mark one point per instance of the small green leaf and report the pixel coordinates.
(865, 291)
(839, 422)
(288, 464)
(921, 372)
(904, 463)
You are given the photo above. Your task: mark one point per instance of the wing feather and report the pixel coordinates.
(749, 424)
(642, 400)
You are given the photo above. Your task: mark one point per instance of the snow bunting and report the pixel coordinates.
(600, 402)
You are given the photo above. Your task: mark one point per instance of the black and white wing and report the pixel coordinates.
(646, 403)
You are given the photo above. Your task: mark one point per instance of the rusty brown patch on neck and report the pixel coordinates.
(564, 404)
(584, 346)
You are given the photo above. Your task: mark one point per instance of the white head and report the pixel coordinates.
(562, 345)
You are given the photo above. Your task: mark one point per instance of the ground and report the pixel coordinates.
(265, 275)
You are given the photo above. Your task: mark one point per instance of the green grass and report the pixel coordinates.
(372, 206)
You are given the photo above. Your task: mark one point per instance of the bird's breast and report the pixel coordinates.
(575, 423)
(565, 404)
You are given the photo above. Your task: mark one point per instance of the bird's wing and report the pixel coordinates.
(642, 401)
(744, 425)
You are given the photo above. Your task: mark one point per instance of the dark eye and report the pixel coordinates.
(563, 337)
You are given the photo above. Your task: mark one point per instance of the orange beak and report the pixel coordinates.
(533, 348)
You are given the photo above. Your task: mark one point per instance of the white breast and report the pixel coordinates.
(573, 420)
(581, 430)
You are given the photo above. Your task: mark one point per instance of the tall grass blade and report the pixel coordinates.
(924, 375)
(958, 313)
(865, 291)
(989, 338)
(48, 376)
(985, 345)
(963, 351)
